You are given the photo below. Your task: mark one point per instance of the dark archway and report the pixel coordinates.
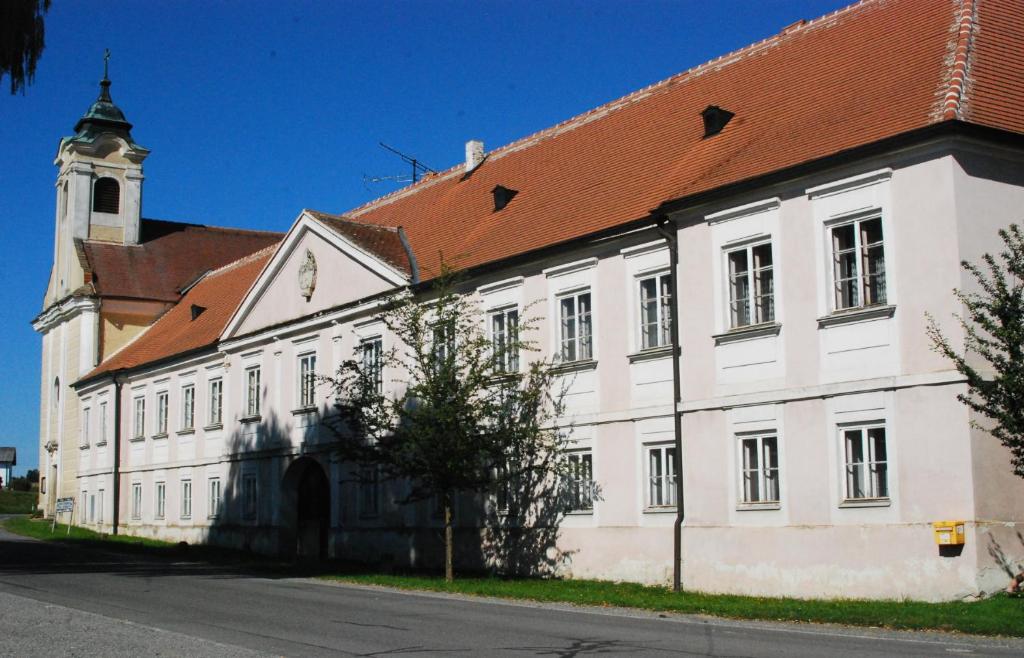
(305, 510)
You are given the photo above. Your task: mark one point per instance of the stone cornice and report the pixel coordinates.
(62, 311)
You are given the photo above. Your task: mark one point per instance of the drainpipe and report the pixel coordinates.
(116, 493)
(668, 230)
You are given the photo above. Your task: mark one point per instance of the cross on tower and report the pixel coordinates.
(106, 61)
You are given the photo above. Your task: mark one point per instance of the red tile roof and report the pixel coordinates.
(868, 72)
(384, 242)
(175, 333)
(874, 70)
(170, 256)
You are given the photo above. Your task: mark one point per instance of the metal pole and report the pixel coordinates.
(668, 230)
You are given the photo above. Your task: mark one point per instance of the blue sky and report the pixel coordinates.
(255, 110)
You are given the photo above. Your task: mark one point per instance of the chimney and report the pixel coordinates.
(474, 154)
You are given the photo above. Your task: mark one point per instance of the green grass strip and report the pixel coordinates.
(999, 615)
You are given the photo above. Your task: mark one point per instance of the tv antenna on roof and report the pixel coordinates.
(418, 169)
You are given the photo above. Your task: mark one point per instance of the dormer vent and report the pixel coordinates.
(502, 195)
(715, 119)
(474, 154)
(197, 310)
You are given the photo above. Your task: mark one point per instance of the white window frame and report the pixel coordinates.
(755, 314)
(306, 380)
(214, 497)
(160, 496)
(665, 481)
(215, 390)
(163, 404)
(136, 500)
(662, 307)
(185, 504)
(581, 481)
(581, 346)
(869, 464)
(188, 407)
(505, 360)
(760, 475)
(103, 424)
(372, 347)
(139, 408)
(859, 263)
(253, 387)
(86, 413)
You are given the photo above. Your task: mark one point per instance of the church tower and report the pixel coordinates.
(99, 189)
(99, 201)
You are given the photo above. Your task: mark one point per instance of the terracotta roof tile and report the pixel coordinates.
(170, 256)
(219, 293)
(870, 71)
(384, 242)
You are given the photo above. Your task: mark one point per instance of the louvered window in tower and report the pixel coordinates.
(106, 196)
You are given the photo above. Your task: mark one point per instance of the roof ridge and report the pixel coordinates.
(615, 104)
(237, 263)
(319, 214)
(955, 95)
(208, 227)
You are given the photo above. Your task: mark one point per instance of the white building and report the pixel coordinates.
(822, 187)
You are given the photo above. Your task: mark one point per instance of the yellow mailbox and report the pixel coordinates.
(949, 533)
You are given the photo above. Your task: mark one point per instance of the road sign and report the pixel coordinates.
(64, 506)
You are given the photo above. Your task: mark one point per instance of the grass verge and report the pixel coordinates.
(17, 502)
(999, 615)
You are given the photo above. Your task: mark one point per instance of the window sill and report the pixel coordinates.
(161, 435)
(651, 354)
(748, 332)
(580, 512)
(137, 439)
(303, 410)
(660, 510)
(250, 419)
(84, 446)
(865, 502)
(754, 507)
(859, 314)
(575, 366)
(100, 444)
(189, 430)
(214, 427)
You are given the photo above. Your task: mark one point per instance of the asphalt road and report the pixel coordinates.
(59, 600)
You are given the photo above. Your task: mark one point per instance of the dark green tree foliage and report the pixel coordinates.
(21, 40)
(453, 418)
(994, 331)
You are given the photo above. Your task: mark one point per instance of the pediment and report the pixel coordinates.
(317, 267)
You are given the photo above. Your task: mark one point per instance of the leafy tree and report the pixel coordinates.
(465, 418)
(21, 40)
(32, 475)
(994, 333)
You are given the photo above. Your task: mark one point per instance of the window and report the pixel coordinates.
(103, 424)
(140, 418)
(252, 391)
(188, 407)
(751, 285)
(99, 506)
(161, 413)
(759, 468)
(82, 518)
(92, 508)
(161, 499)
(866, 463)
(216, 397)
(106, 196)
(661, 476)
(576, 333)
(136, 500)
(505, 339)
(581, 482)
(85, 427)
(370, 352)
(214, 488)
(307, 380)
(186, 499)
(369, 491)
(655, 311)
(858, 257)
(443, 343)
(249, 496)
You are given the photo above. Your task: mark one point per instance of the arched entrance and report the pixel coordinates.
(305, 510)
